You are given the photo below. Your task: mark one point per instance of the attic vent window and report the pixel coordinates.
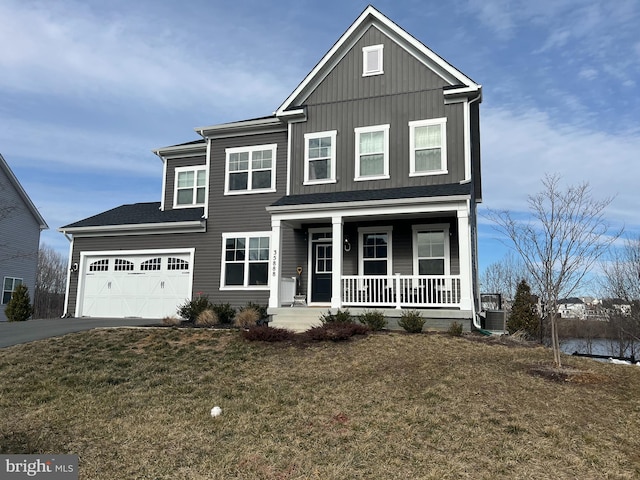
(372, 60)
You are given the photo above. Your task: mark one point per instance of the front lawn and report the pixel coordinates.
(135, 403)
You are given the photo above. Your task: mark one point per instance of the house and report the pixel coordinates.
(359, 191)
(20, 227)
(572, 307)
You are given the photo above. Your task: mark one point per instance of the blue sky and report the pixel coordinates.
(88, 88)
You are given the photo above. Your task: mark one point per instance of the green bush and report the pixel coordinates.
(19, 307)
(523, 314)
(411, 321)
(226, 313)
(338, 317)
(191, 309)
(374, 319)
(455, 330)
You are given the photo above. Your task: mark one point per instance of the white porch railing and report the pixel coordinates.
(401, 291)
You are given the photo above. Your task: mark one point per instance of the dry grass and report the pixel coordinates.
(207, 318)
(136, 403)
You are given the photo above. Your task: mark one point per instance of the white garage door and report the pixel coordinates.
(147, 285)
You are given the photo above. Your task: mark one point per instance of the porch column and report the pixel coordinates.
(336, 271)
(275, 266)
(466, 272)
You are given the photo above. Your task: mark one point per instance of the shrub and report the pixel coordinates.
(523, 314)
(338, 317)
(455, 329)
(171, 321)
(19, 307)
(264, 333)
(335, 332)
(374, 319)
(261, 309)
(207, 318)
(411, 321)
(192, 308)
(246, 318)
(225, 312)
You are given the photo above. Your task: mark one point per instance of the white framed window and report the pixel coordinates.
(375, 254)
(372, 152)
(190, 187)
(372, 60)
(9, 285)
(99, 265)
(151, 264)
(250, 169)
(320, 157)
(428, 147)
(177, 264)
(431, 249)
(122, 265)
(245, 261)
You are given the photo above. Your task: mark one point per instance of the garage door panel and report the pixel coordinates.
(136, 285)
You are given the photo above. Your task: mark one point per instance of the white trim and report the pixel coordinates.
(414, 47)
(388, 230)
(289, 149)
(367, 71)
(443, 146)
(250, 149)
(246, 236)
(435, 227)
(195, 169)
(66, 293)
(208, 174)
(164, 182)
(136, 229)
(332, 134)
(385, 152)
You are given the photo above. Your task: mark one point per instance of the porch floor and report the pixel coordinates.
(300, 319)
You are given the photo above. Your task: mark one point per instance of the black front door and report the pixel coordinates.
(321, 275)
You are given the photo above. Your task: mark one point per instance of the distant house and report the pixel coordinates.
(20, 227)
(572, 308)
(360, 191)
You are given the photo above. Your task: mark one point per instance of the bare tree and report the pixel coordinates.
(564, 236)
(621, 280)
(51, 281)
(504, 276)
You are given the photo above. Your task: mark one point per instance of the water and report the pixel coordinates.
(595, 347)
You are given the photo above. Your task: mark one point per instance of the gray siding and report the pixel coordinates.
(19, 239)
(345, 100)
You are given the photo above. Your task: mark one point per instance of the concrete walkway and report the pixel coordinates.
(14, 333)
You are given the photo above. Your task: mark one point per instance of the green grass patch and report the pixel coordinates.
(136, 404)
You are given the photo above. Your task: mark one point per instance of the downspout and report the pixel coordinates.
(475, 315)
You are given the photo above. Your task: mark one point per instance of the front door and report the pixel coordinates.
(321, 274)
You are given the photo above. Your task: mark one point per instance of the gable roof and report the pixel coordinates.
(459, 83)
(138, 216)
(4, 166)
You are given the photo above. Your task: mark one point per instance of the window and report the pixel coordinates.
(177, 264)
(372, 60)
(372, 152)
(151, 264)
(99, 265)
(246, 260)
(320, 157)
(8, 286)
(120, 265)
(190, 186)
(428, 151)
(431, 249)
(375, 252)
(250, 169)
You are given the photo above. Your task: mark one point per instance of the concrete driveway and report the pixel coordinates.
(14, 333)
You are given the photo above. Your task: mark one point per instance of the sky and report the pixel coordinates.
(89, 88)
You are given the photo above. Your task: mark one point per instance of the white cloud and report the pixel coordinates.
(518, 148)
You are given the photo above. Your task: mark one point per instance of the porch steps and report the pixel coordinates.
(297, 319)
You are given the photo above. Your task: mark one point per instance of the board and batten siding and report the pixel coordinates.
(345, 100)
